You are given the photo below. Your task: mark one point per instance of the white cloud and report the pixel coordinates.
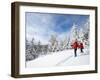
(40, 30)
(41, 27)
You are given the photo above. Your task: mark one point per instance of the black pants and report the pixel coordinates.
(81, 50)
(75, 52)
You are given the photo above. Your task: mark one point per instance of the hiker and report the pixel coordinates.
(75, 46)
(81, 47)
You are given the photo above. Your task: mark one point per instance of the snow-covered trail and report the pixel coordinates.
(76, 61)
(62, 58)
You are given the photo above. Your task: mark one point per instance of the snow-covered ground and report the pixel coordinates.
(61, 58)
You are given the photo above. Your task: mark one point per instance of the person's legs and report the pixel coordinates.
(75, 52)
(82, 50)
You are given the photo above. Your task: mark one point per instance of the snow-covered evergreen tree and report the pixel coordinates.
(31, 50)
(74, 33)
(64, 44)
(53, 43)
(81, 35)
(68, 43)
(86, 32)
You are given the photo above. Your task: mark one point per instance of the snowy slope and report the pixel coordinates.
(62, 58)
(76, 61)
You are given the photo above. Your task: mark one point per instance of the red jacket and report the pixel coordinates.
(75, 45)
(81, 45)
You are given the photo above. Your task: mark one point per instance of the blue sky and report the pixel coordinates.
(42, 25)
